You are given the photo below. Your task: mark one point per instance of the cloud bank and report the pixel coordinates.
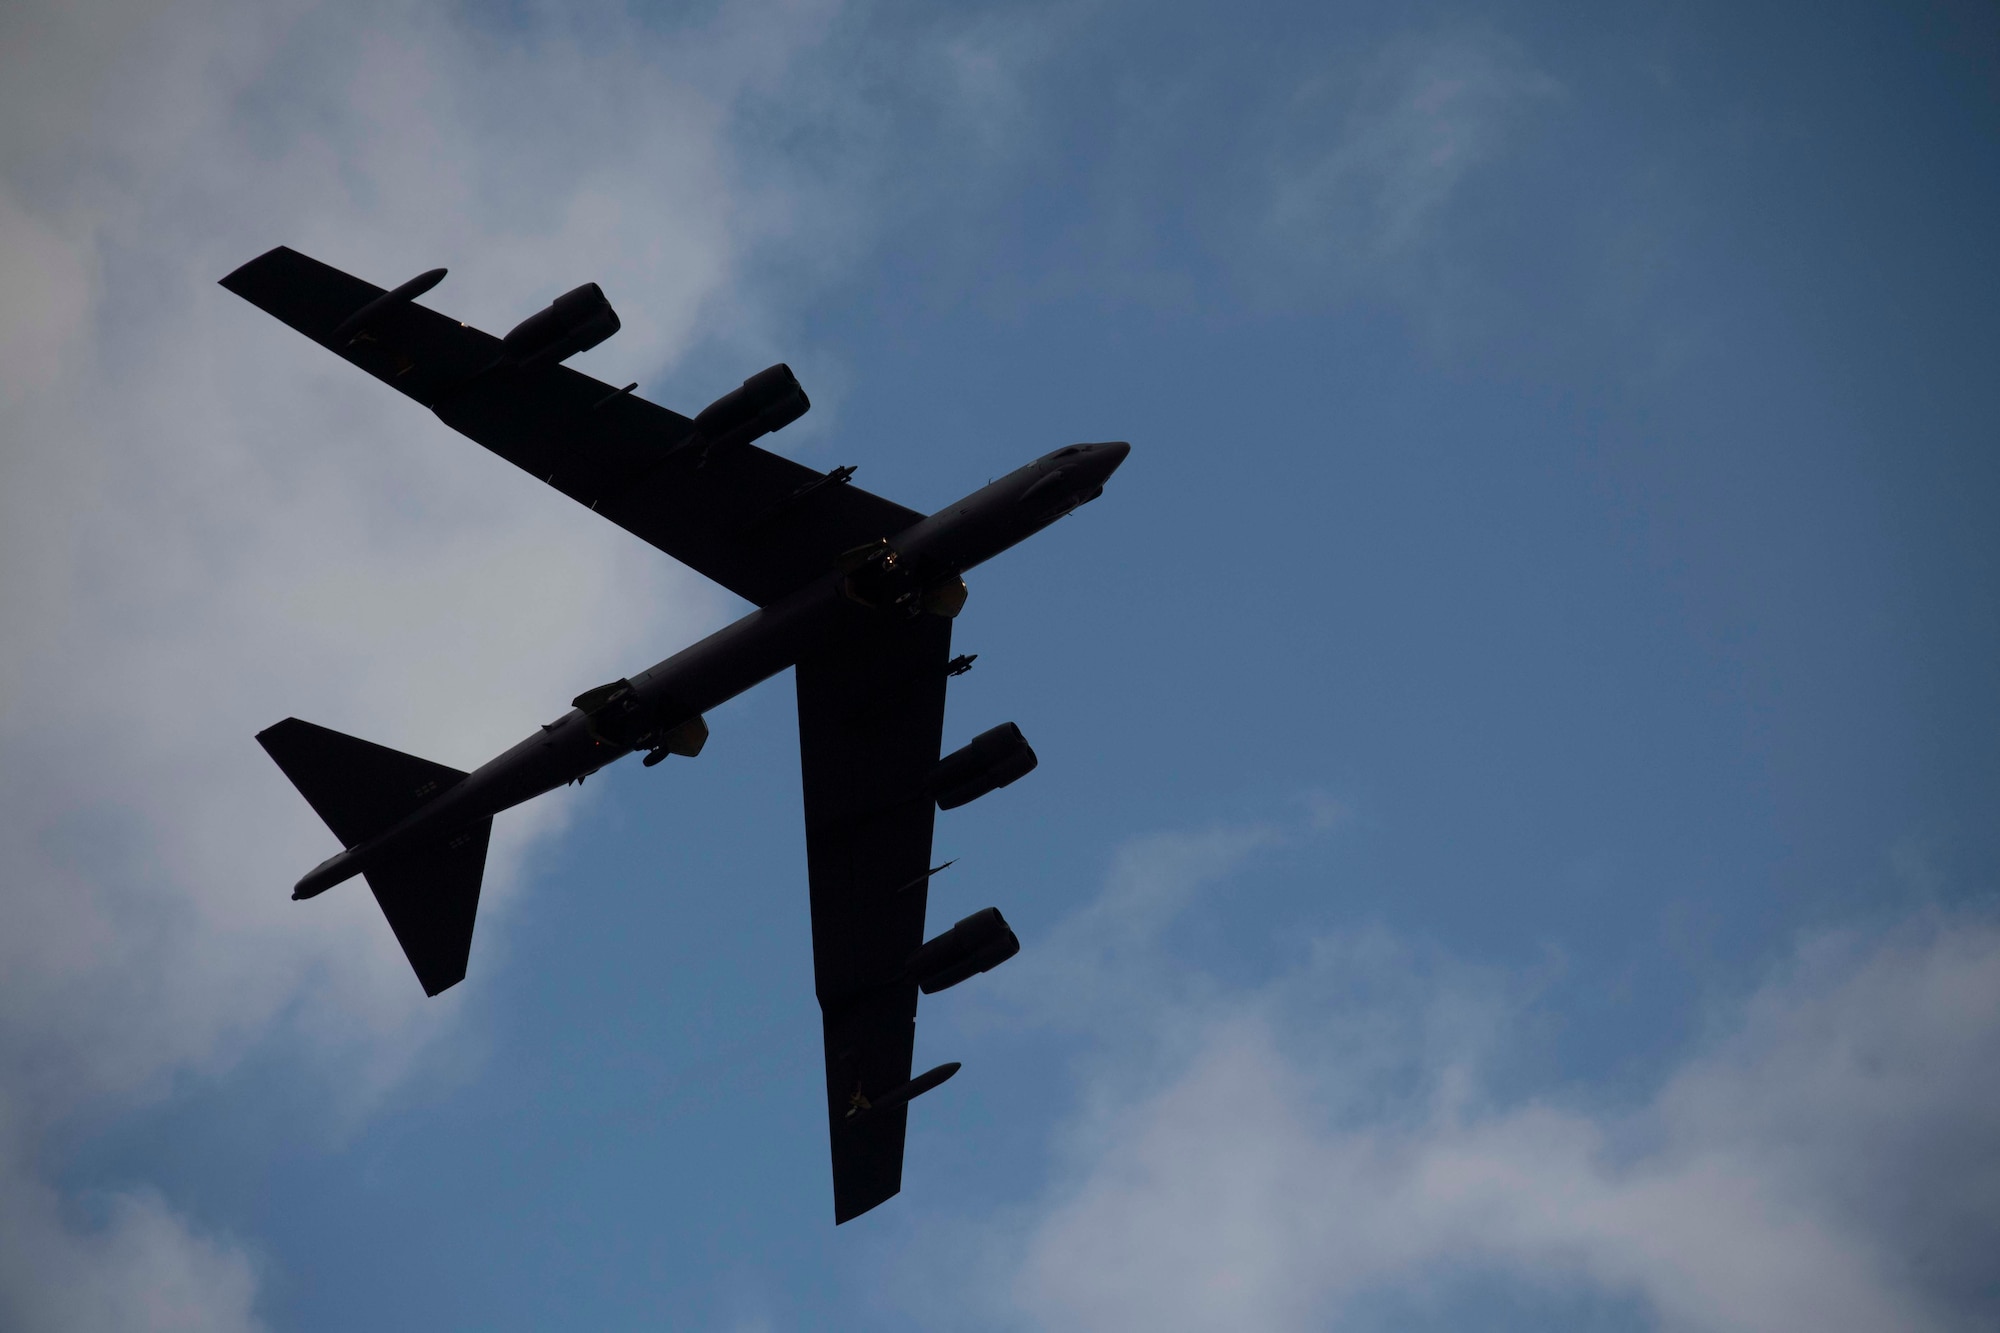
(1330, 1150)
(208, 525)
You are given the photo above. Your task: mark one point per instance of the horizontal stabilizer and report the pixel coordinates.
(358, 787)
(431, 893)
(431, 898)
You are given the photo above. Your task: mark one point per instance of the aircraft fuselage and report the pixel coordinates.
(913, 572)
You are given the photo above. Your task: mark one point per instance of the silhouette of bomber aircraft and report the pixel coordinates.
(854, 591)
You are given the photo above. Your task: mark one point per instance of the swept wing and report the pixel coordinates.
(871, 717)
(758, 524)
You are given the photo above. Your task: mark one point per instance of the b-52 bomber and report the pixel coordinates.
(854, 592)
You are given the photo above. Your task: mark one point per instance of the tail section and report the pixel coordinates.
(430, 898)
(358, 787)
(361, 790)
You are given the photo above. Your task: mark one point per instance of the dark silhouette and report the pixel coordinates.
(854, 591)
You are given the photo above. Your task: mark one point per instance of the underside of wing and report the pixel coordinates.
(414, 350)
(871, 717)
(758, 524)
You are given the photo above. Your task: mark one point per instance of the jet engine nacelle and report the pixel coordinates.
(767, 401)
(574, 322)
(988, 762)
(977, 944)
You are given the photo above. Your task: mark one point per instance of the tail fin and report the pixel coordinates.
(361, 789)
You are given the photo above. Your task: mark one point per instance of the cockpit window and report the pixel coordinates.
(1069, 452)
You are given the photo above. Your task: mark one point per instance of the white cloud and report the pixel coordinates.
(207, 524)
(1316, 1151)
(211, 526)
(46, 281)
(140, 1266)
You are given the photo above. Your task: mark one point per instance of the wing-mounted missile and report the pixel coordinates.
(860, 1106)
(574, 322)
(988, 762)
(358, 324)
(767, 401)
(979, 943)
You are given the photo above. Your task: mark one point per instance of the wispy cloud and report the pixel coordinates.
(1368, 164)
(140, 1265)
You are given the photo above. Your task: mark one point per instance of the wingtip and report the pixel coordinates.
(279, 729)
(233, 280)
(843, 1216)
(434, 987)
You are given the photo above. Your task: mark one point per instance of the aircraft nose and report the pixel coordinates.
(1109, 456)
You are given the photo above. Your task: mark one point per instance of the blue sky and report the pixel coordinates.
(1514, 844)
